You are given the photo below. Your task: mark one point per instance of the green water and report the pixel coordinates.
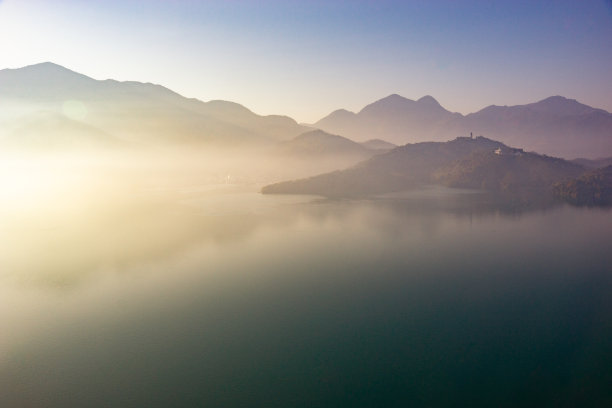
(234, 299)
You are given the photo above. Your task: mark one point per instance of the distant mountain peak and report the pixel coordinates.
(316, 133)
(48, 66)
(320, 143)
(39, 65)
(338, 116)
(393, 102)
(563, 106)
(342, 112)
(557, 99)
(428, 99)
(43, 71)
(393, 98)
(398, 102)
(131, 111)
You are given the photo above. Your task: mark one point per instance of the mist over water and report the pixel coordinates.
(438, 235)
(128, 284)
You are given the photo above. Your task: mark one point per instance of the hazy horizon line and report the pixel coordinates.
(288, 115)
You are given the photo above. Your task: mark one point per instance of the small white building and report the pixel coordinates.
(498, 151)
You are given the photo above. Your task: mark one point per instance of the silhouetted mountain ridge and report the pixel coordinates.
(401, 168)
(388, 119)
(320, 143)
(560, 105)
(464, 162)
(555, 125)
(133, 112)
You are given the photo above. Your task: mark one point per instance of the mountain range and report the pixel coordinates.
(46, 105)
(555, 126)
(49, 104)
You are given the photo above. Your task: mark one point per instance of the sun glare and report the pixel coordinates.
(27, 185)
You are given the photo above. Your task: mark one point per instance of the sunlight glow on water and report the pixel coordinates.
(185, 294)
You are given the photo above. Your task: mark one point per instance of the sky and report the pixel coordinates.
(305, 58)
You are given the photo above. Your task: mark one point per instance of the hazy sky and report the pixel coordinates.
(307, 58)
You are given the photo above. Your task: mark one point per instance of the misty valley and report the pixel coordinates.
(163, 251)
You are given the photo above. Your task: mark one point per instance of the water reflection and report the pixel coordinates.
(184, 294)
(115, 227)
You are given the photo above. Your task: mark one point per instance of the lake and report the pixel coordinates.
(222, 297)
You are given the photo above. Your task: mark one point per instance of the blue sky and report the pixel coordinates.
(307, 58)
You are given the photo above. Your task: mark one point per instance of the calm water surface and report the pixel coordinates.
(223, 297)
